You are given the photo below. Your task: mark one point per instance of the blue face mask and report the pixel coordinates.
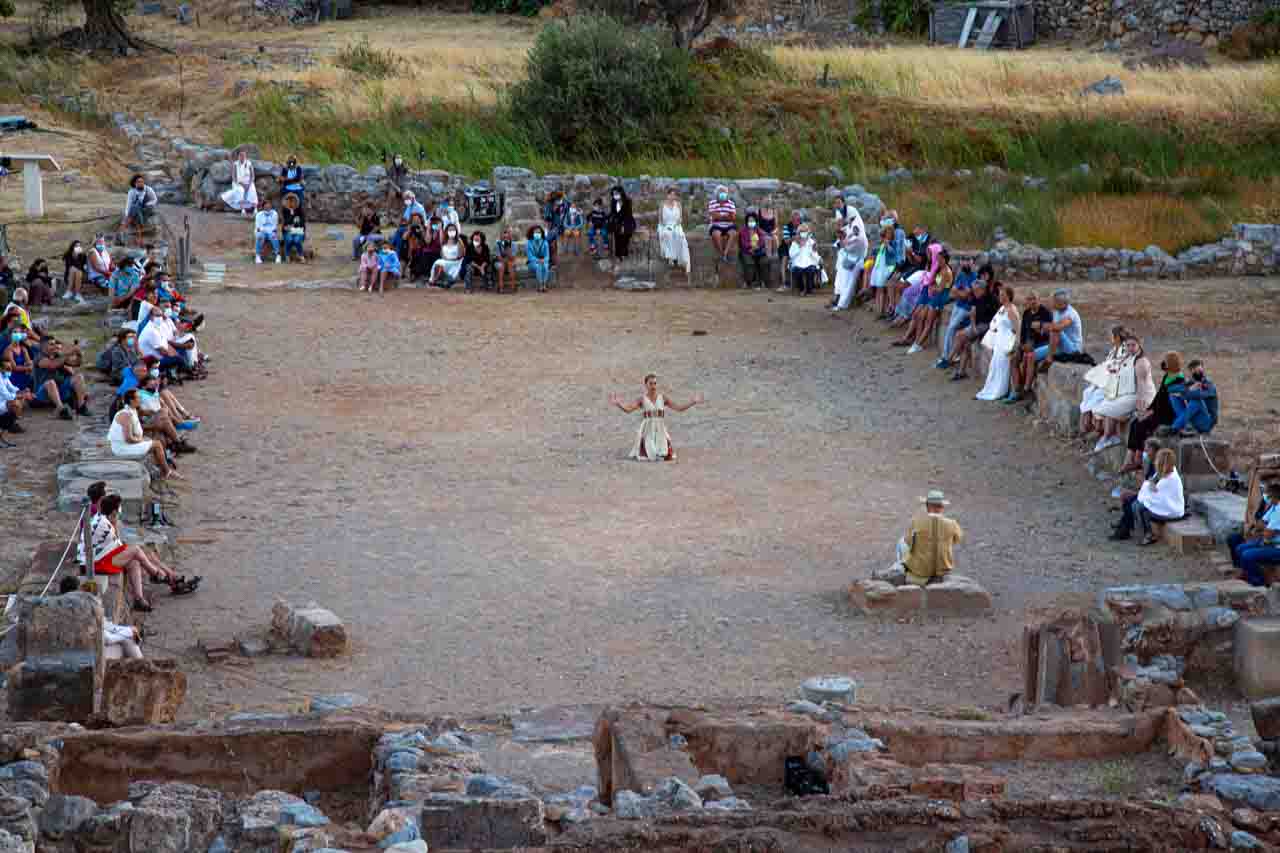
(537, 235)
(723, 196)
(18, 337)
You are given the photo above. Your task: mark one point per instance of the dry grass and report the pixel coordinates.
(1136, 221)
(1042, 81)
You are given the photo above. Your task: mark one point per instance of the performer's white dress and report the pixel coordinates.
(671, 239)
(1000, 339)
(653, 444)
(243, 195)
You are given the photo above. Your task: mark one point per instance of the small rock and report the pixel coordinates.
(302, 814)
(1248, 760)
(337, 702)
(576, 816)
(677, 794)
(728, 804)
(1241, 840)
(714, 787)
(1106, 86)
(959, 844)
(829, 688)
(628, 805)
(417, 846)
(804, 706)
(253, 647)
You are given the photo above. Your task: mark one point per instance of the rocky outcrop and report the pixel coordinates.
(1135, 22)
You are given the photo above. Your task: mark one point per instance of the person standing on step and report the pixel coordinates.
(243, 195)
(622, 223)
(291, 181)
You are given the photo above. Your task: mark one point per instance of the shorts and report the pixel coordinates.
(572, 232)
(938, 302)
(722, 228)
(976, 332)
(106, 564)
(1042, 352)
(65, 391)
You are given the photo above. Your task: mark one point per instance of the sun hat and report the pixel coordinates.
(935, 496)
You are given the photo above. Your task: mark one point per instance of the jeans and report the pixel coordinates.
(755, 268)
(140, 213)
(266, 238)
(804, 279)
(591, 238)
(292, 243)
(541, 270)
(959, 319)
(1132, 512)
(473, 271)
(1236, 542)
(397, 239)
(1255, 558)
(1193, 412)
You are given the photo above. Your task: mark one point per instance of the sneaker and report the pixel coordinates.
(83, 411)
(941, 364)
(186, 425)
(1101, 445)
(257, 259)
(277, 259)
(915, 348)
(65, 413)
(1011, 399)
(67, 295)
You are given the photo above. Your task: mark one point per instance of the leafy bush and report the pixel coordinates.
(905, 16)
(594, 85)
(364, 59)
(527, 8)
(6, 8)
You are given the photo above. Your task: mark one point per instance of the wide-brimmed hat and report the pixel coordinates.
(935, 496)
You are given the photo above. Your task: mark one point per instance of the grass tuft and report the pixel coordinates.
(370, 62)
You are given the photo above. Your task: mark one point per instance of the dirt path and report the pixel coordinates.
(443, 471)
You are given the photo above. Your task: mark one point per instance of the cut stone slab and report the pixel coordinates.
(56, 687)
(453, 821)
(634, 753)
(1257, 792)
(1223, 511)
(310, 629)
(1266, 717)
(143, 692)
(556, 724)
(829, 688)
(1188, 535)
(132, 495)
(124, 477)
(957, 595)
(1257, 657)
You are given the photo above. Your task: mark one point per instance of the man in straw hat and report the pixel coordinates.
(926, 549)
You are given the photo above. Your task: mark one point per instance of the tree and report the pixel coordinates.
(688, 19)
(105, 29)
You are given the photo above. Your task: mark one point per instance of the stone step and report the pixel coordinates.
(1188, 535)
(1223, 511)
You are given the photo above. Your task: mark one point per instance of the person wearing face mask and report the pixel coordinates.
(538, 254)
(424, 249)
(1195, 410)
(388, 268)
(18, 361)
(370, 225)
(806, 264)
(158, 339)
(622, 223)
(243, 195)
(753, 253)
(397, 180)
(411, 206)
(74, 264)
(479, 265)
(18, 307)
(572, 227)
(122, 355)
(100, 264)
(40, 283)
(447, 214)
(915, 260)
(265, 223)
(6, 274)
(291, 181)
(671, 240)
(293, 224)
(13, 402)
(1160, 412)
(157, 418)
(553, 211)
(723, 216)
(447, 271)
(140, 205)
(505, 261)
(597, 227)
(58, 385)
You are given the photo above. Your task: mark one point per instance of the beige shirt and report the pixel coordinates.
(930, 540)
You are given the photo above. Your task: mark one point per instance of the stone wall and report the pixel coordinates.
(1202, 22)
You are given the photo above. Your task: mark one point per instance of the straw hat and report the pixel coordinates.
(935, 497)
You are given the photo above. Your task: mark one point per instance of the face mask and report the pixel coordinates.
(78, 250)
(804, 235)
(452, 233)
(723, 196)
(18, 337)
(171, 314)
(537, 235)
(435, 226)
(751, 223)
(129, 342)
(155, 373)
(476, 243)
(886, 223)
(1146, 457)
(100, 246)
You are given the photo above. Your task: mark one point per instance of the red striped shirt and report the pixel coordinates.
(722, 211)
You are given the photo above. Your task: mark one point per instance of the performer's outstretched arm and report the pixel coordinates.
(615, 400)
(674, 406)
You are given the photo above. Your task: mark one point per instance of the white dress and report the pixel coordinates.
(653, 444)
(120, 446)
(1000, 339)
(853, 251)
(240, 197)
(450, 262)
(883, 269)
(671, 239)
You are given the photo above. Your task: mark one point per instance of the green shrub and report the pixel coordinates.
(369, 62)
(905, 16)
(596, 86)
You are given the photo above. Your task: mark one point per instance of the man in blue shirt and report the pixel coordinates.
(1252, 556)
(1066, 332)
(962, 307)
(1195, 408)
(411, 206)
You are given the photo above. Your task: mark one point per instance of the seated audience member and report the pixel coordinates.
(927, 550)
(17, 359)
(785, 238)
(58, 383)
(597, 227)
(722, 214)
(6, 274)
(915, 260)
(126, 287)
(388, 267)
(1161, 499)
(1035, 321)
(479, 266)
(74, 270)
(622, 221)
(367, 275)
(160, 415)
(370, 225)
(574, 223)
(118, 641)
(265, 223)
(112, 557)
(882, 268)
(553, 213)
(753, 253)
(13, 402)
(447, 214)
(128, 441)
(984, 305)
(537, 253)
(292, 182)
(851, 255)
(913, 295)
(1066, 332)
(416, 255)
(672, 243)
(505, 259)
(804, 260)
(411, 206)
(140, 204)
(172, 341)
(122, 355)
(1195, 410)
(1124, 386)
(1160, 412)
(448, 270)
(962, 310)
(20, 320)
(40, 283)
(293, 225)
(934, 298)
(100, 264)
(1259, 545)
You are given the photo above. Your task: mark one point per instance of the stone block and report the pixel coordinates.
(1200, 456)
(957, 595)
(453, 821)
(1257, 792)
(1064, 663)
(872, 596)
(309, 629)
(1257, 657)
(958, 782)
(174, 817)
(1222, 511)
(124, 477)
(54, 687)
(1266, 717)
(634, 752)
(60, 623)
(63, 815)
(1058, 396)
(1189, 535)
(143, 692)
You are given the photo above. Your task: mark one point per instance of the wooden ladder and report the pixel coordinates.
(989, 27)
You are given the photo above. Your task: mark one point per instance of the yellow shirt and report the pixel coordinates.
(930, 541)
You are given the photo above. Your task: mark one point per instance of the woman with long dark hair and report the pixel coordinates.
(622, 222)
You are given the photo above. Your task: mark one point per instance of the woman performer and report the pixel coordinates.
(653, 444)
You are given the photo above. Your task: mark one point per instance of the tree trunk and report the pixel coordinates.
(105, 29)
(688, 19)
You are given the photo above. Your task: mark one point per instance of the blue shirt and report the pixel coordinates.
(389, 262)
(411, 209)
(130, 381)
(960, 288)
(1272, 518)
(1072, 337)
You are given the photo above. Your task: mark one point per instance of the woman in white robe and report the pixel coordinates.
(671, 239)
(243, 195)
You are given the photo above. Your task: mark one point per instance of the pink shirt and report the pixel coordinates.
(368, 261)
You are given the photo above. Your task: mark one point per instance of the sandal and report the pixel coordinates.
(142, 607)
(184, 585)
(1149, 540)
